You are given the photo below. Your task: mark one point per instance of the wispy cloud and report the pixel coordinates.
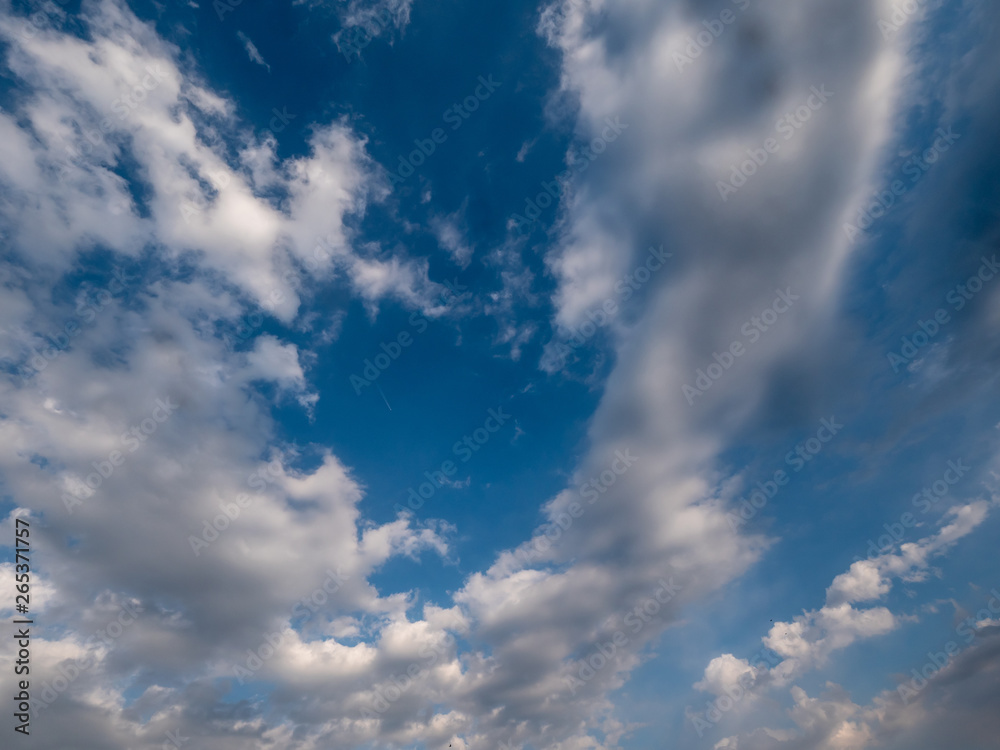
(252, 51)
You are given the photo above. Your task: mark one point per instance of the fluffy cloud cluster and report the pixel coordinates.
(807, 642)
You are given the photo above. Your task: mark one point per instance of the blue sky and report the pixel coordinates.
(593, 375)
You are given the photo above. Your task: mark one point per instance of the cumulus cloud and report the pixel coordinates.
(807, 642)
(950, 705)
(90, 106)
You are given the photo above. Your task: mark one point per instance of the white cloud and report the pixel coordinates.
(807, 642)
(451, 236)
(91, 104)
(252, 52)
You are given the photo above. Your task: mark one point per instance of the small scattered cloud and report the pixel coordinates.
(252, 52)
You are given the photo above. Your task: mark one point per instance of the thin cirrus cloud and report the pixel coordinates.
(252, 52)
